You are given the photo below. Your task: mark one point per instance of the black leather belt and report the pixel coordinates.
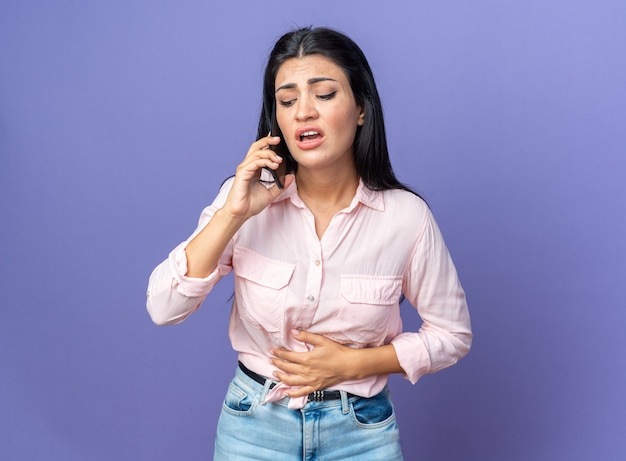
(317, 396)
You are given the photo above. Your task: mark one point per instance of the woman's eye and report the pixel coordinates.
(287, 103)
(326, 97)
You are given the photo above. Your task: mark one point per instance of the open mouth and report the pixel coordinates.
(309, 135)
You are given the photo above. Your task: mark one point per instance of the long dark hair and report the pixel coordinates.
(371, 155)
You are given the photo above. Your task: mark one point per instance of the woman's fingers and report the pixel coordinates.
(263, 144)
(260, 156)
(248, 196)
(251, 167)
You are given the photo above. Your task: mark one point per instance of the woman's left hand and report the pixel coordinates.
(327, 364)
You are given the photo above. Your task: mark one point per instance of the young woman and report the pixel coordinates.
(320, 268)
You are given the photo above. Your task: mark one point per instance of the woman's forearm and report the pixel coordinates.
(374, 361)
(205, 249)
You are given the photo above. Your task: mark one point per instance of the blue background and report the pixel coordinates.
(120, 119)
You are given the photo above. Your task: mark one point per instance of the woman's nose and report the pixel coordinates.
(306, 109)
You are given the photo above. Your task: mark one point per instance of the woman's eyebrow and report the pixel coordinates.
(311, 81)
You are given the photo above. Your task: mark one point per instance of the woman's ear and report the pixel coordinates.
(361, 119)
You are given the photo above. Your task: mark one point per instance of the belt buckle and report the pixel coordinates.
(316, 396)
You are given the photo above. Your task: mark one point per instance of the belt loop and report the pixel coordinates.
(266, 389)
(345, 409)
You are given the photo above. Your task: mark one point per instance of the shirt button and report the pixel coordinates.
(311, 298)
(317, 262)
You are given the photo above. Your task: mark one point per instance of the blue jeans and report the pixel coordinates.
(351, 428)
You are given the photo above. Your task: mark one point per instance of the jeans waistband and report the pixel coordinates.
(317, 396)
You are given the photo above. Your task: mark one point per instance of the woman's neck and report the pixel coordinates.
(334, 190)
(326, 195)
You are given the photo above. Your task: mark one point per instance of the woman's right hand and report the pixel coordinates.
(248, 196)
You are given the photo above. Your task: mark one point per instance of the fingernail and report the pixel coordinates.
(295, 332)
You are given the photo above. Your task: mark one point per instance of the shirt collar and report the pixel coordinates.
(371, 198)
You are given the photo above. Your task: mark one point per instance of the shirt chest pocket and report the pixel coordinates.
(368, 307)
(261, 286)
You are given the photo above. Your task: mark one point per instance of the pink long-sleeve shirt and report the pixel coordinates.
(345, 286)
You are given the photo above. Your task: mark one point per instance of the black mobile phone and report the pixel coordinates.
(279, 173)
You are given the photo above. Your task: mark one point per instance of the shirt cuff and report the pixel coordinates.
(189, 286)
(412, 355)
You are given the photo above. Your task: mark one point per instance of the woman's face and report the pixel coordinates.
(317, 113)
